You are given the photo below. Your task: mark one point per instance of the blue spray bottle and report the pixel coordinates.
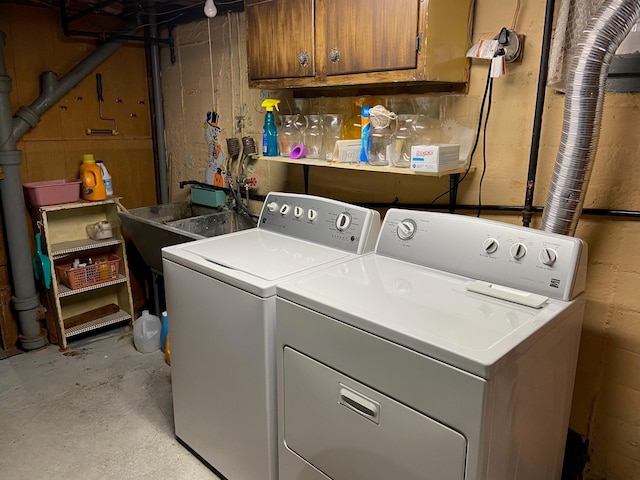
(365, 135)
(269, 131)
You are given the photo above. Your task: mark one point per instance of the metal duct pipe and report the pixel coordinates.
(158, 112)
(527, 211)
(583, 112)
(26, 299)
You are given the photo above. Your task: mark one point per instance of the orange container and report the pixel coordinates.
(91, 175)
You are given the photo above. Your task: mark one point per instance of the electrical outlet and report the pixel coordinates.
(518, 57)
(514, 47)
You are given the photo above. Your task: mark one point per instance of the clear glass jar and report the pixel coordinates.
(379, 148)
(312, 137)
(402, 140)
(427, 129)
(331, 133)
(352, 127)
(289, 134)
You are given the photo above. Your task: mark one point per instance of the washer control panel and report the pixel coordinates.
(508, 255)
(321, 220)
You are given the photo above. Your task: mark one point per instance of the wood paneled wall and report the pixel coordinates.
(54, 148)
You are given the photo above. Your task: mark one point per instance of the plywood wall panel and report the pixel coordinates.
(54, 148)
(47, 160)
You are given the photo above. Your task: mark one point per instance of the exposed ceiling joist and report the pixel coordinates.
(126, 18)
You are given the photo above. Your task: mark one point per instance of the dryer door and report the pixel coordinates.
(351, 432)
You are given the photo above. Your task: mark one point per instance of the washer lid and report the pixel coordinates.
(266, 255)
(423, 309)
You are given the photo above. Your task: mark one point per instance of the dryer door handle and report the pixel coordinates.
(362, 405)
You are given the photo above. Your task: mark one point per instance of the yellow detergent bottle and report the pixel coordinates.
(92, 184)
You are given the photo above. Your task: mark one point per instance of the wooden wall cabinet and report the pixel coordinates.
(280, 38)
(326, 43)
(65, 238)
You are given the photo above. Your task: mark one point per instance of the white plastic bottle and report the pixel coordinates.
(146, 332)
(106, 178)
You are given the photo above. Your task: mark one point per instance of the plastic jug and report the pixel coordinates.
(146, 332)
(106, 177)
(92, 184)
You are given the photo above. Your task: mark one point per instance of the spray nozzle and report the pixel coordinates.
(270, 103)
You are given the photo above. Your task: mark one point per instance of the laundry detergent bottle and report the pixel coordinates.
(92, 184)
(106, 177)
(269, 131)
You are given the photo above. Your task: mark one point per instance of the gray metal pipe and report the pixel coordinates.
(28, 117)
(161, 147)
(583, 112)
(26, 299)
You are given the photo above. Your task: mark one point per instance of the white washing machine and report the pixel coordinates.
(448, 354)
(220, 295)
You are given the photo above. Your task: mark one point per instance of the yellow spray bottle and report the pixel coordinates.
(269, 131)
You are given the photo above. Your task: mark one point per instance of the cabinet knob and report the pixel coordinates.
(334, 55)
(303, 58)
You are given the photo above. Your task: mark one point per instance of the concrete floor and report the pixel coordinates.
(102, 410)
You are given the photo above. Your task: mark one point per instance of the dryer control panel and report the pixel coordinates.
(321, 220)
(498, 254)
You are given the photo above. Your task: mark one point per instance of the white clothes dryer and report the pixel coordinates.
(448, 354)
(220, 295)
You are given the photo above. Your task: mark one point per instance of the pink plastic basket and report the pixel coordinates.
(52, 192)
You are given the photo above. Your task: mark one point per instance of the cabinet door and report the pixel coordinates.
(280, 40)
(368, 35)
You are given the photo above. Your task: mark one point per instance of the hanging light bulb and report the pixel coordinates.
(210, 9)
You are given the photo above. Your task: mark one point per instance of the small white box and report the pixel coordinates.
(435, 158)
(347, 151)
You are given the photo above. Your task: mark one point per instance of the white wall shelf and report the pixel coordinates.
(454, 175)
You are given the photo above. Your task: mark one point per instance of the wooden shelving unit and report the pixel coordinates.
(77, 311)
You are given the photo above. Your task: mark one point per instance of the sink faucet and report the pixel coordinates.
(200, 184)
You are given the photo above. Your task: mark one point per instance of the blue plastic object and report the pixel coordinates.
(208, 197)
(41, 264)
(366, 127)
(164, 330)
(270, 131)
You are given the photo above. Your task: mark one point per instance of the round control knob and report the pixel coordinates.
(548, 256)
(272, 206)
(297, 211)
(518, 251)
(343, 221)
(285, 209)
(490, 245)
(406, 229)
(312, 215)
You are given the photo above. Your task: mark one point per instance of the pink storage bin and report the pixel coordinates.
(52, 192)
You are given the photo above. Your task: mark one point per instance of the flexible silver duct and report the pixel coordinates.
(588, 71)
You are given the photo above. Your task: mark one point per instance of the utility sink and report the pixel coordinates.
(158, 226)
